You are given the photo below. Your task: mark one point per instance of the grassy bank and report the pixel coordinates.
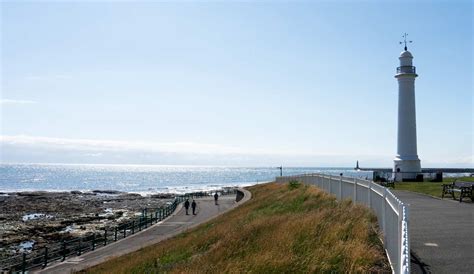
(283, 228)
(430, 188)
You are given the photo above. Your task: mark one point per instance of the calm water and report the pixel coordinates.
(142, 178)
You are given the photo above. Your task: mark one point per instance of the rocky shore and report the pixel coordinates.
(34, 219)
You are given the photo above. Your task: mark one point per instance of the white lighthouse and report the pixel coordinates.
(406, 163)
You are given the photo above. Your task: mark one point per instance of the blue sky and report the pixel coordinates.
(234, 83)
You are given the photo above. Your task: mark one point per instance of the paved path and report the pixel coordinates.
(176, 223)
(442, 234)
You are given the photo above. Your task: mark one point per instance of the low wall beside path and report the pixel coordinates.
(392, 214)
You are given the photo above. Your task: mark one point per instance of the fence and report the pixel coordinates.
(391, 213)
(43, 256)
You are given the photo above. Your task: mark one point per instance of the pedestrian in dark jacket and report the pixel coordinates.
(193, 205)
(216, 197)
(186, 205)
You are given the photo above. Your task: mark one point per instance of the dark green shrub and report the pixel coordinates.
(294, 184)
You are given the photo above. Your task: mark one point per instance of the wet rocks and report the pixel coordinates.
(43, 217)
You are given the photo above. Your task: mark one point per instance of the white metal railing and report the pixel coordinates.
(392, 214)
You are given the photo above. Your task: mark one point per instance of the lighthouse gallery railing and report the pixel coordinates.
(406, 69)
(391, 213)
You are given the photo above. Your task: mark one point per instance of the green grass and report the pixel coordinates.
(430, 188)
(291, 228)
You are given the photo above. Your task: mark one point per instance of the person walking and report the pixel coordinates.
(186, 205)
(193, 205)
(216, 197)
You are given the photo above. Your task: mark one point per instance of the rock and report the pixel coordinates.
(130, 196)
(82, 211)
(29, 194)
(163, 196)
(107, 191)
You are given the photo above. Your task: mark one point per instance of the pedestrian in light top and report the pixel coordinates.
(186, 206)
(193, 205)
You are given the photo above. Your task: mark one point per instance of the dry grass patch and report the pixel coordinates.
(284, 228)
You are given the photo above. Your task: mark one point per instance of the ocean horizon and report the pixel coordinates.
(144, 179)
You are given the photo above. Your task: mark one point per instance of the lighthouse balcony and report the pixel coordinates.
(406, 69)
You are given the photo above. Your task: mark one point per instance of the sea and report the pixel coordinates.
(144, 179)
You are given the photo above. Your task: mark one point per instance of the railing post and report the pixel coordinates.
(384, 205)
(330, 183)
(23, 263)
(115, 236)
(406, 241)
(93, 241)
(79, 251)
(400, 237)
(45, 263)
(64, 251)
(146, 218)
(133, 227)
(369, 198)
(355, 190)
(105, 236)
(340, 187)
(125, 230)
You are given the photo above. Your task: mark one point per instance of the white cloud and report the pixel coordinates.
(449, 161)
(16, 102)
(99, 154)
(95, 146)
(23, 148)
(114, 145)
(48, 77)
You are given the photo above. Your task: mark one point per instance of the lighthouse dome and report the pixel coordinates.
(406, 54)
(405, 58)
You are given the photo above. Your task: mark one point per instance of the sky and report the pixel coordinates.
(232, 83)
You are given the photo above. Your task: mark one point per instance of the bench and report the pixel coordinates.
(464, 188)
(385, 182)
(389, 183)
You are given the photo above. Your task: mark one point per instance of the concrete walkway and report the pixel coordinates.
(173, 225)
(442, 234)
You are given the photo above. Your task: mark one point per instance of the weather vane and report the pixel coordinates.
(405, 40)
